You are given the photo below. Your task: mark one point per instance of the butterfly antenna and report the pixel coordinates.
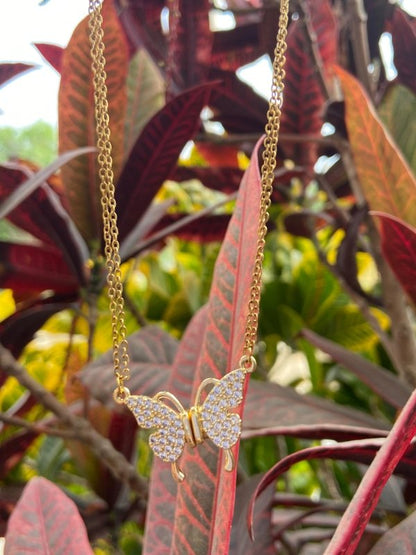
(229, 460)
(177, 473)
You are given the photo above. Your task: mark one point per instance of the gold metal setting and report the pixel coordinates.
(211, 418)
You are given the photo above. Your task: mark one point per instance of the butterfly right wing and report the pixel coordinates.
(168, 441)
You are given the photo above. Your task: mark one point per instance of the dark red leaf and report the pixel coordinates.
(267, 413)
(205, 499)
(122, 434)
(32, 205)
(403, 31)
(264, 540)
(190, 47)
(304, 98)
(45, 520)
(218, 155)
(203, 229)
(13, 449)
(384, 383)
(10, 70)
(360, 451)
(305, 223)
(398, 242)
(400, 540)
(236, 105)
(154, 156)
(224, 179)
(27, 268)
(163, 489)
(18, 329)
(142, 24)
(237, 47)
(52, 54)
(272, 409)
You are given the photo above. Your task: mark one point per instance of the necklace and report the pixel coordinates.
(175, 426)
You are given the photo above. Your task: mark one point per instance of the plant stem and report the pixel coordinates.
(38, 428)
(102, 447)
(359, 44)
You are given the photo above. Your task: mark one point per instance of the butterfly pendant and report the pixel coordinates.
(176, 426)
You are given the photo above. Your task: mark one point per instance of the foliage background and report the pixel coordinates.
(336, 328)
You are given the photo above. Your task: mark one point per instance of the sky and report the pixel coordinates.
(33, 96)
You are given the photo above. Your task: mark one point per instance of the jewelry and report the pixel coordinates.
(175, 426)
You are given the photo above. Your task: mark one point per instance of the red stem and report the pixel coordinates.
(358, 513)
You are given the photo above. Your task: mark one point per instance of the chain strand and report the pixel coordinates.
(108, 203)
(267, 176)
(115, 287)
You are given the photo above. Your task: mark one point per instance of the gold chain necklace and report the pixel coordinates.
(177, 426)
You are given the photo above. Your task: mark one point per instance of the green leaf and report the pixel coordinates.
(145, 95)
(398, 113)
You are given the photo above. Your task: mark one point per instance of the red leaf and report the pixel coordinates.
(400, 540)
(52, 54)
(155, 154)
(162, 493)
(141, 20)
(304, 98)
(236, 105)
(218, 155)
(237, 47)
(224, 179)
(9, 71)
(205, 500)
(398, 242)
(31, 204)
(18, 329)
(273, 409)
(392, 454)
(77, 119)
(359, 450)
(385, 177)
(13, 449)
(191, 48)
(403, 32)
(45, 520)
(383, 382)
(26, 268)
(152, 351)
(264, 541)
(203, 229)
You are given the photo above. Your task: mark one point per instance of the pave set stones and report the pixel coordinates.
(169, 439)
(222, 428)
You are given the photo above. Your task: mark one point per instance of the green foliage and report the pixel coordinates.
(36, 143)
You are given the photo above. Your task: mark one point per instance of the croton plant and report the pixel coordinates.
(326, 461)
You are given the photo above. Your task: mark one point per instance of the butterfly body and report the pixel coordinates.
(176, 426)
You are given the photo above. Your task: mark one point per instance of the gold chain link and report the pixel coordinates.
(108, 203)
(267, 177)
(110, 230)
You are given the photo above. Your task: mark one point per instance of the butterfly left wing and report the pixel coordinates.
(169, 439)
(222, 427)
